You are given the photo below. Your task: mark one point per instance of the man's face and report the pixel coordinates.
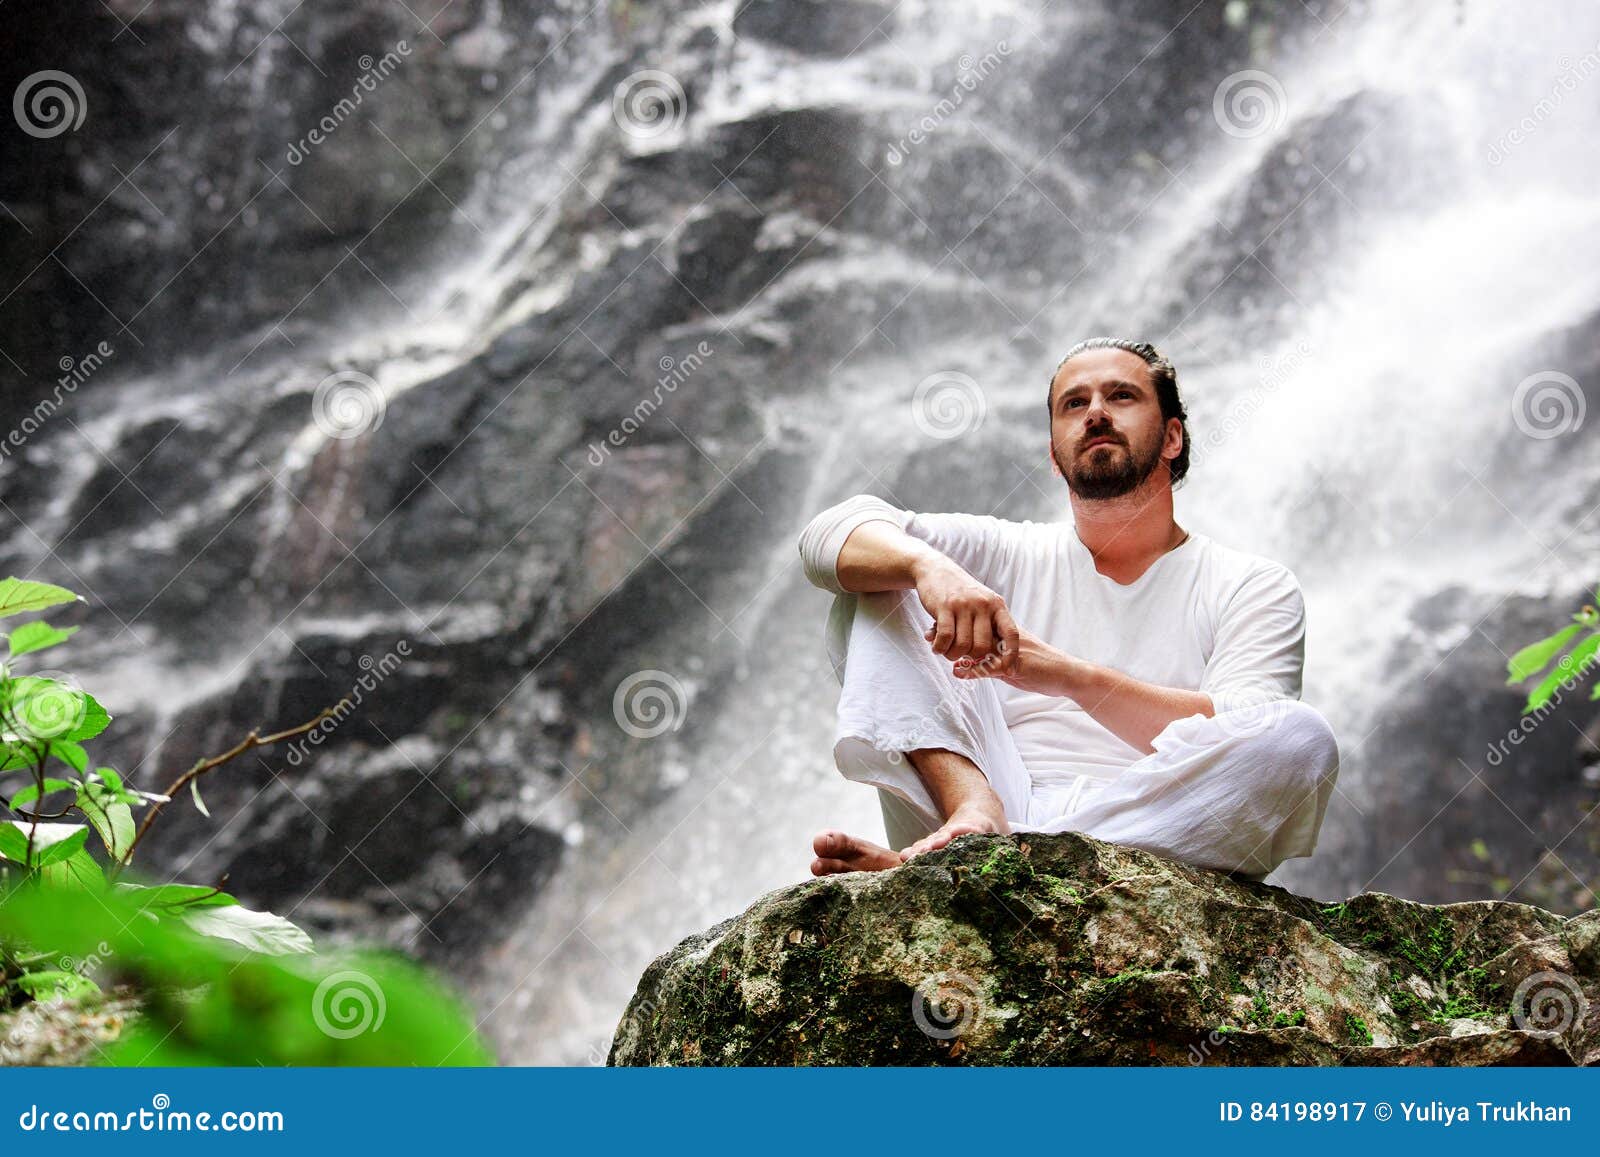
(1106, 429)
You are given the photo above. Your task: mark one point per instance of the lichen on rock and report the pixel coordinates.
(1060, 949)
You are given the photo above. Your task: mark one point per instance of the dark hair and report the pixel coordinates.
(1166, 382)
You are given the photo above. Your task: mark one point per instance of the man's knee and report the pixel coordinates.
(1289, 736)
(1301, 744)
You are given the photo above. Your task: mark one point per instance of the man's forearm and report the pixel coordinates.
(879, 556)
(1131, 709)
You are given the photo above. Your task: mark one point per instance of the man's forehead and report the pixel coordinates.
(1097, 366)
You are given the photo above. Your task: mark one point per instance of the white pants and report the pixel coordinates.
(1239, 792)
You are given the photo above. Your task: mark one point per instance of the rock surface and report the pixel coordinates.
(1065, 950)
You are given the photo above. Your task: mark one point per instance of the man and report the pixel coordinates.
(1114, 675)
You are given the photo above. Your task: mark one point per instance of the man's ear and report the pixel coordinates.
(1055, 467)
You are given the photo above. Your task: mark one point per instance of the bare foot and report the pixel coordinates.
(839, 852)
(965, 819)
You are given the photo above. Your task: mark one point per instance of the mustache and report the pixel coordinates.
(1112, 435)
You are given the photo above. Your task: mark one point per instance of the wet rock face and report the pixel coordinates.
(1061, 949)
(817, 27)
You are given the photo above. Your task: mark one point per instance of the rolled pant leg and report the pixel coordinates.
(1240, 791)
(898, 696)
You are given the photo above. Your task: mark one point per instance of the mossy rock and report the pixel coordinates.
(1060, 949)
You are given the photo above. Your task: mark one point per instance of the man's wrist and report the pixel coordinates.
(1075, 678)
(926, 561)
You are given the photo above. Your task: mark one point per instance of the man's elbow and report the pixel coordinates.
(823, 537)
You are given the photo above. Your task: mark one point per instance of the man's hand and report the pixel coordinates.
(970, 620)
(1038, 667)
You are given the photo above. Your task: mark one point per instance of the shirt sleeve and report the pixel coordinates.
(1259, 652)
(975, 542)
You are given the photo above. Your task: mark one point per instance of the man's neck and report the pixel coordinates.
(1125, 535)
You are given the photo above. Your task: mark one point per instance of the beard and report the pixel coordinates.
(1109, 471)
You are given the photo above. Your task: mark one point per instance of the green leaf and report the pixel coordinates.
(95, 720)
(45, 837)
(77, 873)
(60, 849)
(175, 896)
(36, 636)
(19, 595)
(119, 790)
(70, 753)
(1532, 658)
(31, 792)
(56, 985)
(1570, 666)
(13, 844)
(112, 821)
(17, 757)
(257, 931)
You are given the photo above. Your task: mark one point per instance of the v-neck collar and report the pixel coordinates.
(1077, 544)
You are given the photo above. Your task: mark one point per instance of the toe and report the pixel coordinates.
(829, 843)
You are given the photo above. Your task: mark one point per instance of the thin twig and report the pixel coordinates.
(205, 765)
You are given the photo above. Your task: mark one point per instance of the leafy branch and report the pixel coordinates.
(1568, 670)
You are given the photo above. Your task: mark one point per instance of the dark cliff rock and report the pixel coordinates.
(1065, 950)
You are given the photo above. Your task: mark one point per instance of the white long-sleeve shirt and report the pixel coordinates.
(1203, 617)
